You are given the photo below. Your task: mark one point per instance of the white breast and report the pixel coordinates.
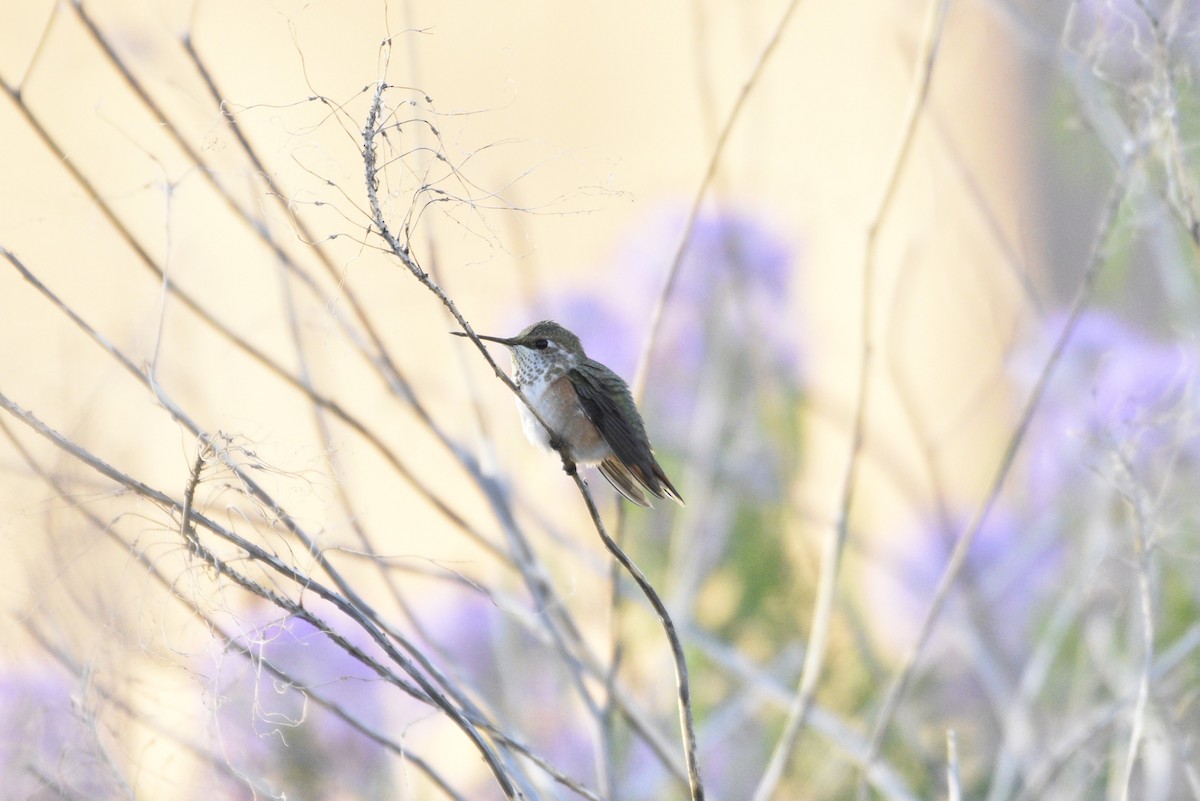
(543, 384)
(534, 430)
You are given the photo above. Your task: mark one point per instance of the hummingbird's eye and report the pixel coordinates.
(541, 344)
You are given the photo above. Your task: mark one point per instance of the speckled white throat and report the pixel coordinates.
(542, 378)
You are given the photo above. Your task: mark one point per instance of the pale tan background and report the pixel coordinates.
(608, 114)
(612, 98)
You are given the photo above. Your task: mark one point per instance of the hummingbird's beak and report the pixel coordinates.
(506, 342)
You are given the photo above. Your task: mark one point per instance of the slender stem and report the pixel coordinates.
(241, 343)
(1184, 200)
(954, 787)
(404, 255)
(958, 556)
(1138, 506)
(835, 541)
(686, 724)
(424, 689)
(1181, 652)
(714, 160)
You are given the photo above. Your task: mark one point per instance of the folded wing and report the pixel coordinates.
(603, 395)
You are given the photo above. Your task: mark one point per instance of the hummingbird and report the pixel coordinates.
(589, 408)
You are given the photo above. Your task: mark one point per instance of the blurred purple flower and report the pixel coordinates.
(1115, 390)
(723, 249)
(727, 348)
(43, 738)
(500, 660)
(1009, 571)
(733, 283)
(269, 729)
(733, 292)
(731, 288)
(1114, 36)
(607, 331)
(464, 628)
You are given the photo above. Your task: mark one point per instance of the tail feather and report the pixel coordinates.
(630, 480)
(619, 476)
(665, 488)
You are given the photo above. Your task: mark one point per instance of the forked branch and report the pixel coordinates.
(401, 251)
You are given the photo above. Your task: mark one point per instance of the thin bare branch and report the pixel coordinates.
(710, 173)
(404, 255)
(958, 556)
(952, 781)
(835, 541)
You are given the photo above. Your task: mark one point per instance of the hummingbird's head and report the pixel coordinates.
(550, 338)
(539, 347)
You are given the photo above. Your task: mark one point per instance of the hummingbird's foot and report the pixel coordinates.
(560, 446)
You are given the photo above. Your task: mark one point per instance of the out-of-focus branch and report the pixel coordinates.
(835, 541)
(710, 173)
(1184, 199)
(1066, 746)
(241, 343)
(885, 778)
(953, 784)
(423, 689)
(958, 556)
(1139, 508)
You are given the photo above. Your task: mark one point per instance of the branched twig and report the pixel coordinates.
(424, 689)
(241, 343)
(197, 751)
(189, 496)
(229, 639)
(1067, 746)
(402, 252)
(1185, 201)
